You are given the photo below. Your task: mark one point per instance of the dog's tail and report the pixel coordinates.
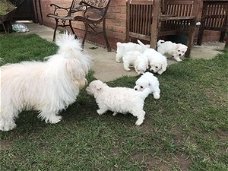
(145, 92)
(140, 43)
(160, 42)
(143, 45)
(68, 43)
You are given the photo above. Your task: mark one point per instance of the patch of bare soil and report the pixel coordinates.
(167, 163)
(5, 145)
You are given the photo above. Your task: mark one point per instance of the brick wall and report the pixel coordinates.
(115, 22)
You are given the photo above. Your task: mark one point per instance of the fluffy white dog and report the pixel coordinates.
(157, 62)
(47, 87)
(135, 58)
(118, 99)
(172, 49)
(148, 80)
(123, 48)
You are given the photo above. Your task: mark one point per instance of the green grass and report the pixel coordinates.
(187, 129)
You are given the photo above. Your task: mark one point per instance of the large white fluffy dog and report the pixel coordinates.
(171, 49)
(136, 59)
(47, 87)
(118, 99)
(148, 80)
(123, 48)
(157, 62)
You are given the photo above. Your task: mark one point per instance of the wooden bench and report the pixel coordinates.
(214, 17)
(150, 20)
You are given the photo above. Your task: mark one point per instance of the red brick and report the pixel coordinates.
(115, 22)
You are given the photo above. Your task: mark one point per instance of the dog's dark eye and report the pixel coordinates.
(178, 50)
(156, 66)
(141, 86)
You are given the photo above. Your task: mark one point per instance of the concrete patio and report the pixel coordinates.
(104, 64)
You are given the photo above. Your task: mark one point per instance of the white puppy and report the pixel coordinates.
(47, 87)
(157, 62)
(123, 48)
(118, 99)
(148, 80)
(171, 49)
(134, 58)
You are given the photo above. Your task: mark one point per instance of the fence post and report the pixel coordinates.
(154, 25)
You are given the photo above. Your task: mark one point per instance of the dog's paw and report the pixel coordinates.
(156, 96)
(54, 119)
(118, 60)
(139, 122)
(114, 114)
(178, 59)
(7, 126)
(100, 112)
(127, 69)
(160, 72)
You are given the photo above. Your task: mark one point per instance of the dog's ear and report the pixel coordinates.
(163, 67)
(177, 46)
(74, 70)
(99, 86)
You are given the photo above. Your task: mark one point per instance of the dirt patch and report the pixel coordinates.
(183, 161)
(5, 145)
(222, 135)
(179, 161)
(215, 97)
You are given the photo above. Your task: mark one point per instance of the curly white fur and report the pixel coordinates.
(135, 58)
(148, 80)
(157, 62)
(173, 49)
(123, 48)
(47, 87)
(118, 99)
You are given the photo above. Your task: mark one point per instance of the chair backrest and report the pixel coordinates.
(179, 9)
(98, 3)
(139, 18)
(214, 15)
(183, 8)
(74, 7)
(99, 12)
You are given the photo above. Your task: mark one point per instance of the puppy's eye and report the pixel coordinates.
(178, 50)
(141, 86)
(156, 66)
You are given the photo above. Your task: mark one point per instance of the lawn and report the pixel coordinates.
(187, 129)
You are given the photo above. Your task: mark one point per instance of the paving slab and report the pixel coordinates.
(104, 65)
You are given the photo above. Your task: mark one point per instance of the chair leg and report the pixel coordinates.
(105, 37)
(200, 36)
(226, 45)
(56, 25)
(72, 29)
(190, 42)
(222, 36)
(3, 25)
(86, 30)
